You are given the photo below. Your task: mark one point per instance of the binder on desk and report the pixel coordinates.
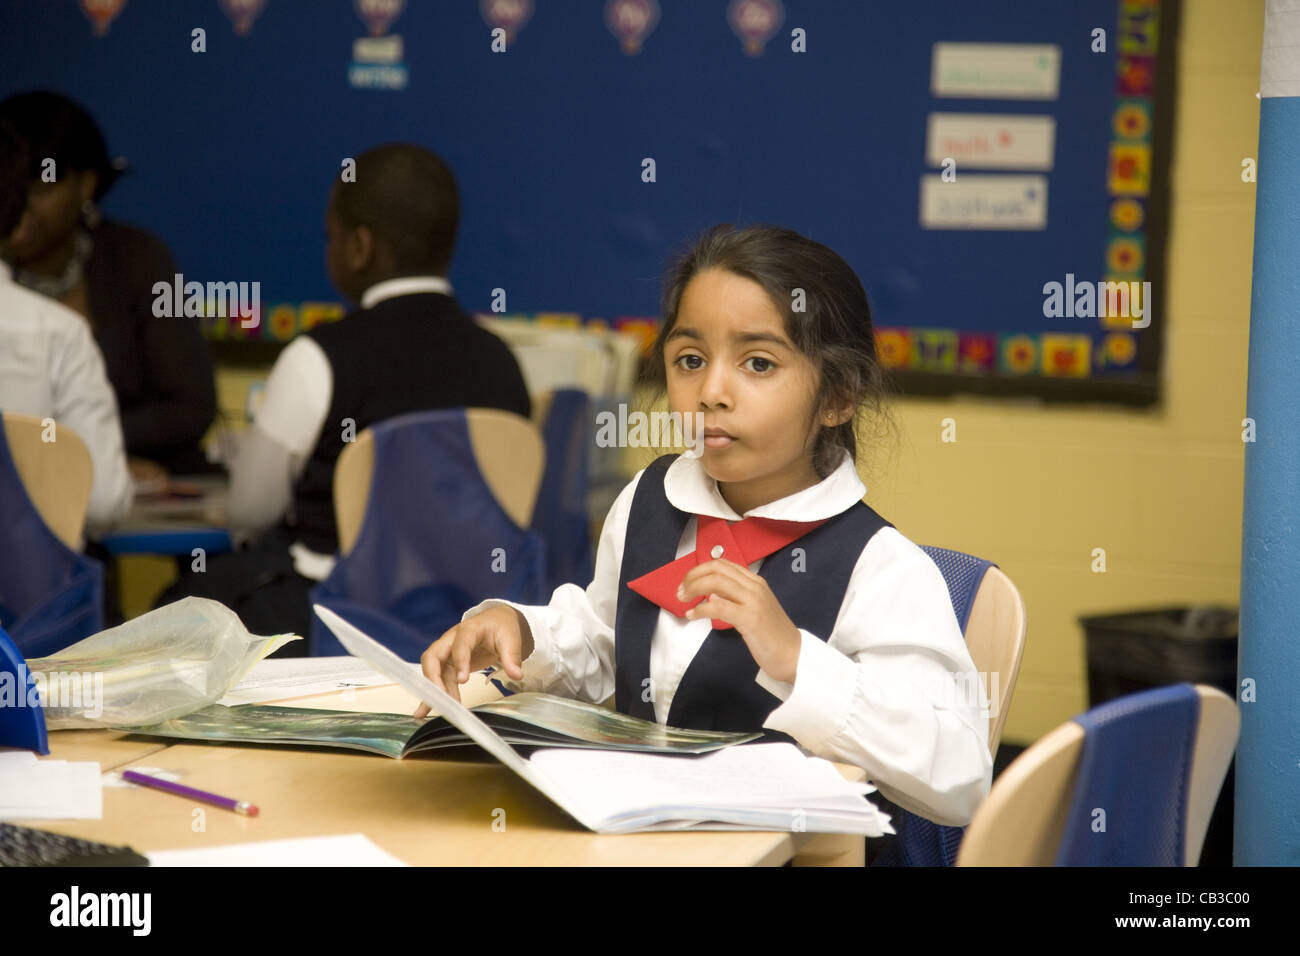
(760, 786)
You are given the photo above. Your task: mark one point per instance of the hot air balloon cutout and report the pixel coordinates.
(101, 13)
(508, 15)
(377, 59)
(378, 15)
(631, 21)
(242, 13)
(755, 21)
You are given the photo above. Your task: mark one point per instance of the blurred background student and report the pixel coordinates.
(159, 367)
(409, 347)
(50, 366)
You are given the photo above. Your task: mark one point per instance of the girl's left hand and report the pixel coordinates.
(743, 599)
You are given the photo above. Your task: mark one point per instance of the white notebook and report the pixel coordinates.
(767, 786)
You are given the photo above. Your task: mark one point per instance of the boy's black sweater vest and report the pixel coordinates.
(718, 690)
(406, 354)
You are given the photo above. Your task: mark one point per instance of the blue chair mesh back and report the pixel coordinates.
(50, 596)
(963, 574)
(561, 513)
(433, 543)
(923, 842)
(1129, 806)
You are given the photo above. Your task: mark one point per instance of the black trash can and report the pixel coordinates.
(1139, 650)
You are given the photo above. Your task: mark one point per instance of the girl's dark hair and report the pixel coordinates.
(57, 128)
(833, 330)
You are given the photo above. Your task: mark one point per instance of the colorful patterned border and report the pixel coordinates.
(1113, 348)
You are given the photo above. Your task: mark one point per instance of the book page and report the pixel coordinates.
(451, 710)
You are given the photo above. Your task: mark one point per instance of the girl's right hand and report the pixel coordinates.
(499, 635)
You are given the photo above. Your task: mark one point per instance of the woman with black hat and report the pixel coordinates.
(160, 368)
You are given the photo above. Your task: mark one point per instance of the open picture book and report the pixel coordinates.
(522, 720)
(753, 786)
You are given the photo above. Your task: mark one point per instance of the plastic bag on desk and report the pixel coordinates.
(164, 664)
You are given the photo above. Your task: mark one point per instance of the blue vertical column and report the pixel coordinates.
(1267, 823)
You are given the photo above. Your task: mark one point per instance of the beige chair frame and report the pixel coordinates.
(1022, 821)
(57, 475)
(507, 447)
(995, 637)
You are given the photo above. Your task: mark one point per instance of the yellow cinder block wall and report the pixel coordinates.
(1037, 488)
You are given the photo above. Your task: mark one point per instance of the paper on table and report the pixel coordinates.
(279, 678)
(758, 775)
(32, 789)
(351, 849)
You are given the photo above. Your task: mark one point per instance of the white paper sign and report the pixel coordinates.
(1014, 71)
(984, 202)
(991, 141)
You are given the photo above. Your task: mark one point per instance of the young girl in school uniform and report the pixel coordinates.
(748, 587)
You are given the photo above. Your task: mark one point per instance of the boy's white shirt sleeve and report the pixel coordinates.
(84, 402)
(894, 690)
(297, 397)
(573, 635)
(284, 433)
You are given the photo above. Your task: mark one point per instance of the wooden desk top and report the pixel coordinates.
(424, 810)
(111, 748)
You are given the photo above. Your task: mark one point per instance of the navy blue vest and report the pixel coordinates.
(718, 690)
(410, 353)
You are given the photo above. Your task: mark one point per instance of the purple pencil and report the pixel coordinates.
(238, 806)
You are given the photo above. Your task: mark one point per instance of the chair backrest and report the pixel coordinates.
(433, 510)
(508, 450)
(57, 475)
(1157, 793)
(561, 515)
(50, 595)
(992, 617)
(20, 724)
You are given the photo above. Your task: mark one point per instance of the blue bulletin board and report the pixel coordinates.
(961, 156)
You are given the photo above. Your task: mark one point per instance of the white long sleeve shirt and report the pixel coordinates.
(50, 367)
(892, 690)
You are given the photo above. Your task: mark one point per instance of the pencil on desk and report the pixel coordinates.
(238, 806)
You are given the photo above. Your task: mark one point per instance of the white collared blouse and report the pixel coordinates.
(892, 689)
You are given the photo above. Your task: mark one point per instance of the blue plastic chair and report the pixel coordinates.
(50, 596)
(1145, 824)
(561, 513)
(434, 541)
(21, 725)
(923, 842)
(1131, 782)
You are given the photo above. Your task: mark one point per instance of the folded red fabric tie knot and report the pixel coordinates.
(743, 543)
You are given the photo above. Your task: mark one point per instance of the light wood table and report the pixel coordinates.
(423, 810)
(110, 748)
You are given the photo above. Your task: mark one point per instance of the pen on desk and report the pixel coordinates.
(238, 806)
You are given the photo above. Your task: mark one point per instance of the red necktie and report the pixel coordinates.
(742, 543)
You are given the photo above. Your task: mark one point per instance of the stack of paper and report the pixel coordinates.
(32, 789)
(769, 786)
